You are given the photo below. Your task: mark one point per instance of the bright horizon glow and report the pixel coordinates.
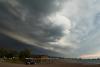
(91, 56)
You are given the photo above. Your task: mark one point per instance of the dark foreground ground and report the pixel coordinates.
(47, 65)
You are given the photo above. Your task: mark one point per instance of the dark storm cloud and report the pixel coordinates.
(26, 17)
(15, 44)
(29, 19)
(35, 22)
(42, 6)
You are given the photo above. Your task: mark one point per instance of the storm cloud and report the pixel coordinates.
(69, 27)
(30, 19)
(36, 21)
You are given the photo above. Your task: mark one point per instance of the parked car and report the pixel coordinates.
(29, 61)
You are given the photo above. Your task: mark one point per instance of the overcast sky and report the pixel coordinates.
(68, 27)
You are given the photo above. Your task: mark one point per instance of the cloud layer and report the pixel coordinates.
(69, 27)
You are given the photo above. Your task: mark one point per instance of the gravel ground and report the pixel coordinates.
(46, 65)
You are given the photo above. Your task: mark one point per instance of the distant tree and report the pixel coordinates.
(26, 53)
(9, 53)
(3, 52)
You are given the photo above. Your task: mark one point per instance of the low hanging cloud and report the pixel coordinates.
(69, 27)
(36, 23)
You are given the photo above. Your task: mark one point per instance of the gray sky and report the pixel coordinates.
(69, 27)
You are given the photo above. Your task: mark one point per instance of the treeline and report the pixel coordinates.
(13, 53)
